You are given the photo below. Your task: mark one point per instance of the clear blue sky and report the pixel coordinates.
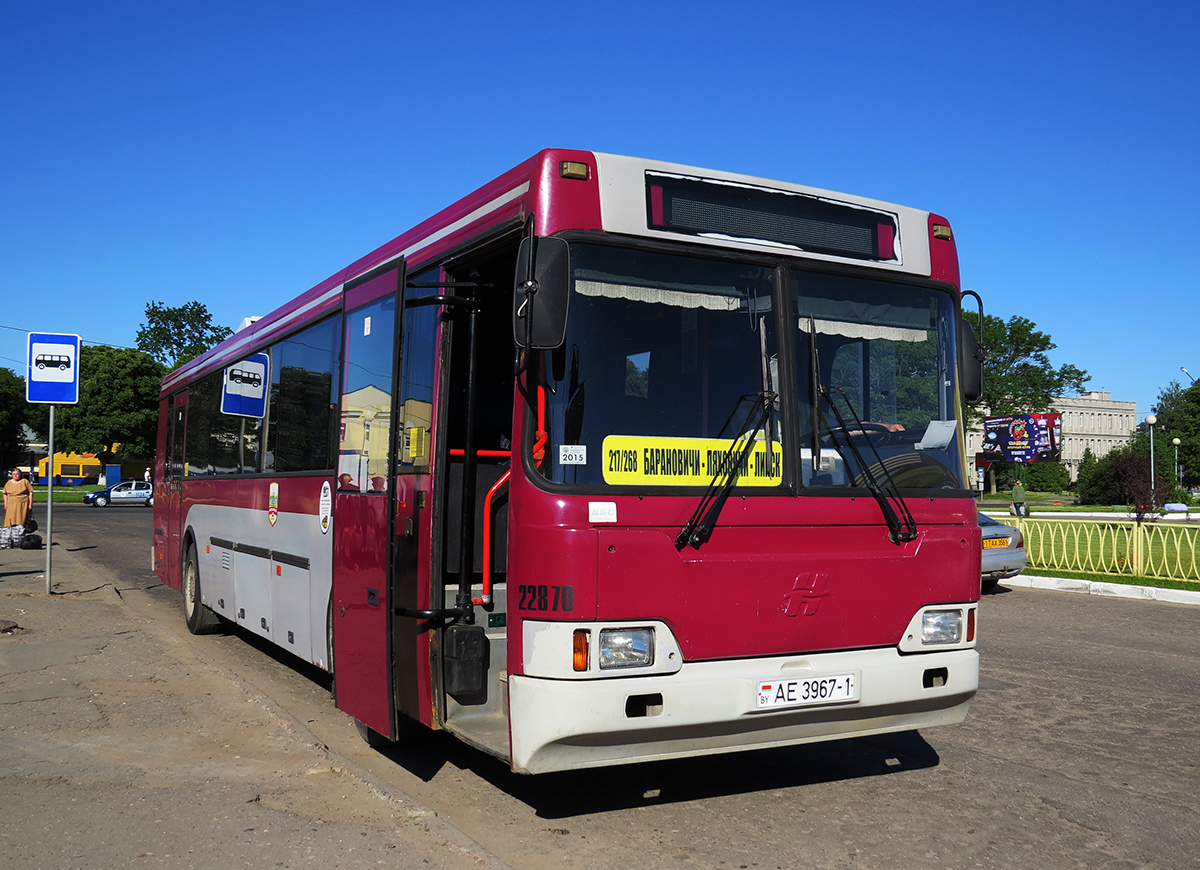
(238, 153)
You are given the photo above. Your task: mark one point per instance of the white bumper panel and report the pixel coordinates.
(709, 707)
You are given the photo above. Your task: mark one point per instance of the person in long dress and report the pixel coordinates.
(18, 499)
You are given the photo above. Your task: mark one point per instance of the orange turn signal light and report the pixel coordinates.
(941, 231)
(970, 625)
(580, 643)
(573, 169)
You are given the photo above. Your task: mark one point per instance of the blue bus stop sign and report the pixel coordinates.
(53, 373)
(244, 393)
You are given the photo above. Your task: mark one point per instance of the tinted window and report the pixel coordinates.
(303, 396)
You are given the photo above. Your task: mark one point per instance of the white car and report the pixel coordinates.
(125, 492)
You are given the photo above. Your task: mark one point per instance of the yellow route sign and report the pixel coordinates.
(645, 460)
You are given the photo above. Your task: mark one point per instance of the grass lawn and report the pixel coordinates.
(63, 494)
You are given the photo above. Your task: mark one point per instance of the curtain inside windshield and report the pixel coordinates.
(664, 369)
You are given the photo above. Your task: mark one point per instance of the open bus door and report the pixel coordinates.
(171, 499)
(360, 601)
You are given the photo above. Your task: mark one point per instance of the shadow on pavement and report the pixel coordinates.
(576, 793)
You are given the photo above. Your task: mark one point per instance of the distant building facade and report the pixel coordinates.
(1091, 420)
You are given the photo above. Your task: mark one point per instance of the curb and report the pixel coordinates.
(1107, 590)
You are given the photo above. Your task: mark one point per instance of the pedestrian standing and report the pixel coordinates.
(146, 476)
(1018, 499)
(18, 499)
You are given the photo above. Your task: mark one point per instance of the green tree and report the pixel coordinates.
(1178, 412)
(1041, 476)
(1018, 377)
(13, 414)
(118, 404)
(1123, 477)
(1046, 477)
(1088, 484)
(175, 335)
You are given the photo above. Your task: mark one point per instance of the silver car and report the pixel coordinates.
(1003, 552)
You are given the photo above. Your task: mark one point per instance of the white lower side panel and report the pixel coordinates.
(710, 707)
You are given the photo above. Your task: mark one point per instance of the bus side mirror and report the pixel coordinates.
(970, 363)
(541, 293)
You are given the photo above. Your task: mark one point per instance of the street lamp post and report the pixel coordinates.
(1178, 475)
(1189, 374)
(1150, 421)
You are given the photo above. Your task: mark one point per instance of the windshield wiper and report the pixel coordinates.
(902, 527)
(814, 393)
(699, 527)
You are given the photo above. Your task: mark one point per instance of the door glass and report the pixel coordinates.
(367, 396)
(175, 468)
(422, 333)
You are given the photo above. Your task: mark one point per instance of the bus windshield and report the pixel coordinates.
(665, 363)
(670, 361)
(876, 360)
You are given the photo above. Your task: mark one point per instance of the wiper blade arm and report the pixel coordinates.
(700, 526)
(901, 528)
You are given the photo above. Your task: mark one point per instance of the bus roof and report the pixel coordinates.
(601, 200)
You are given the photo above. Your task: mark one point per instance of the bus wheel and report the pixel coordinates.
(200, 620)
(329, 650)
(372, 737)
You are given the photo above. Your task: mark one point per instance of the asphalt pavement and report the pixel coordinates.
(125, 741)
(121, 745)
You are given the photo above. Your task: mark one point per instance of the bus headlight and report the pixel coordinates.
(941, 626)
(626, 647)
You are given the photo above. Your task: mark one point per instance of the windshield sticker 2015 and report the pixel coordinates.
(653, 461)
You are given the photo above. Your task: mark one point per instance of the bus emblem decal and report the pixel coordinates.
(806, 594)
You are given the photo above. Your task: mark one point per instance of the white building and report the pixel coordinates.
(1092, 420)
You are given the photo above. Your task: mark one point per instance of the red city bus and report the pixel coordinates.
(612, 460)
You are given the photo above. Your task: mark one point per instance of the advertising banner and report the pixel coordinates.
(1023, 438)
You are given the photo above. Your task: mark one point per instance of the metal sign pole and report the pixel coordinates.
(52, 378)
(50, 503)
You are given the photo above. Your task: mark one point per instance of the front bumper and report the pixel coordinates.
(709, 707)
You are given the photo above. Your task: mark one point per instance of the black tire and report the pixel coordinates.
(329, 651)
(150, 502)
(989, 585)
(200, 620)
(101, 501)
(372, 738)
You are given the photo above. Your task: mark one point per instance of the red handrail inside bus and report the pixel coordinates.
(486, 600)
(539, 446)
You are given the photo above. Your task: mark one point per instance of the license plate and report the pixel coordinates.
(994, 543)
(808, 691)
